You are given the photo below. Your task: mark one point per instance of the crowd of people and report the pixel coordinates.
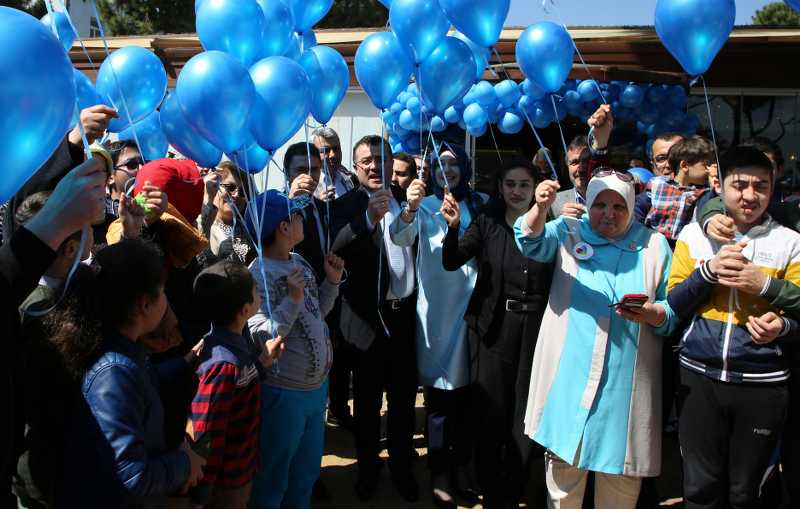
(179, 339)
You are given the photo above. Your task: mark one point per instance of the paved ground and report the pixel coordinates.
(339, 473)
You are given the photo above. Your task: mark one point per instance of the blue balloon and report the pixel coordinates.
(656, 95)
(446, 75)
(413, 105)
(411, 89)
(510, 123)
(673, 119)
(419, 25)
(298, 44)
(531, 89)
(152, 142)
(614, 91)
(475, 116)
(478, 130)
(545, 52)
(396, 108)
(37, 98)
(691, 123)
(236, 27)
(438, 124)
(386, 3)
(215, 94)
(250, 157)
(403, 97)
(572, 100)
(481, 55)
(136, 74)
(588, 91)
(412, 143)
(480, 20)
(452, 115)
(632, 96)
(408, 120)
(485, 94)
(184, 138)
(85, 93)
(469, 97)
(527, 105)
(542, 117)
(794, 4)
(397, 148)
(399, 131)
(648, 113)
(643, 127)
(279, 33)
(677, 96)
(694, 31)
(307, 13)
(508, 93)
(282, 103)
(64, 30)
(329, 77)
(642, 174)
(382, 68)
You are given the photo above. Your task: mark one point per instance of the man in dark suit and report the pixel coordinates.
(378, 316)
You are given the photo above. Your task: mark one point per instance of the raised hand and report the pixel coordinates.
(450, 210)
(546, 194)
(378, 205)
(296, 282)
(334, 267)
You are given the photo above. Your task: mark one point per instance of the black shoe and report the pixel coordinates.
(441, 492)
(345, 422)
(406, 486)
(320, 492)
(368, 482)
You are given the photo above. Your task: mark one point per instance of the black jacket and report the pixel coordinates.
(311, 248)
(490, 241)
(361, 250)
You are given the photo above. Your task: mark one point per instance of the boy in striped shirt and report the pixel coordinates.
(225, 410)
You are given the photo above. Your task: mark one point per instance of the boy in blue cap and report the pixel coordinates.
(294, 394)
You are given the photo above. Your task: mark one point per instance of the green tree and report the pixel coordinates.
(776, 14)
(140, 17)
(355, 14)
(34, 8)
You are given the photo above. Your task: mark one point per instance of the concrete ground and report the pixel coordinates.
(339, 473)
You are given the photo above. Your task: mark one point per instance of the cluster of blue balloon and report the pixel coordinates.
(654, 109)
(245, 96)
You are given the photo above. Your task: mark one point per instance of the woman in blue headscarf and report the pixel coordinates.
(442, 347)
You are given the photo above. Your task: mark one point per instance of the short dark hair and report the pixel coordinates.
(229, 168)
(300, 149)
(578, 142)
(767, 146)
(371, 140)
(408, 159)
(129, 270)
(668, 136)
(31, 206)
(693, 150)
(744, 156)
(115, 148)
(222, 290)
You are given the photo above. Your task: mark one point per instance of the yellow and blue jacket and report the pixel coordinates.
(717, 343)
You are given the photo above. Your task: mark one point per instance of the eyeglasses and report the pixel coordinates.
(231, 189)
(327, 150)
(131, 164)
(369, 161)
(625, 177)
(661, 158)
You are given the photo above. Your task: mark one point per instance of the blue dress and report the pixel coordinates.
(442, 298)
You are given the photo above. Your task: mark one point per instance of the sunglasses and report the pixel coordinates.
(231, 189)
(131, 164)
(606, 172)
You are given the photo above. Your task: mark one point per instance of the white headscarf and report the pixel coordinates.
(612, 183)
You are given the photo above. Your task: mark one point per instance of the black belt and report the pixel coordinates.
(519, 306)
(395, 304)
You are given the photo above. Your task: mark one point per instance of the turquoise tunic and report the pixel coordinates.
(442, 349)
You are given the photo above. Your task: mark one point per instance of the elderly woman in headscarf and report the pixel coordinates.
(594, 399)
(442, 298)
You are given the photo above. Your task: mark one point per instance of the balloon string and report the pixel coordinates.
(541, 145)
(77, 36)
(558, 122)
(502, 64)
(496, 146)
(383, 226)
(436, 150)
(418, 76)
(119, 88)
(713, 133)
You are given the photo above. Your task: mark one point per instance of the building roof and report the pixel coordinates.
(754, 57)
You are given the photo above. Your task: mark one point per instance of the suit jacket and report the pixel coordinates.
(311, 246)
(361, 249)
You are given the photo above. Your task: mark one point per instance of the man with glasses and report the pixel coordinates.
(336, 180)
(581, 159)
(661, 145)
(378, 317)
(127, 163)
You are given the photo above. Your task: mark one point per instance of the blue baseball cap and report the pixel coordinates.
(269, 209)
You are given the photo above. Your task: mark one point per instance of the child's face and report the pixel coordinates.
(698, 172)
(252, 308)
(747, 193)
(296, 229)
(153, 310)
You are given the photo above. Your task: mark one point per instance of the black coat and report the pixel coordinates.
(490, 241)
(310, 248)
(361, 250)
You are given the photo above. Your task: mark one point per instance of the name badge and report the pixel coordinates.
(582, 251)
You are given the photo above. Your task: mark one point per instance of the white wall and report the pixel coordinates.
(80, 11)
(356, 117)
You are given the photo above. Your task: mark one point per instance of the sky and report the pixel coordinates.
(605, 12)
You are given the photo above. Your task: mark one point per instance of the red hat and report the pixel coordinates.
(180, 179)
